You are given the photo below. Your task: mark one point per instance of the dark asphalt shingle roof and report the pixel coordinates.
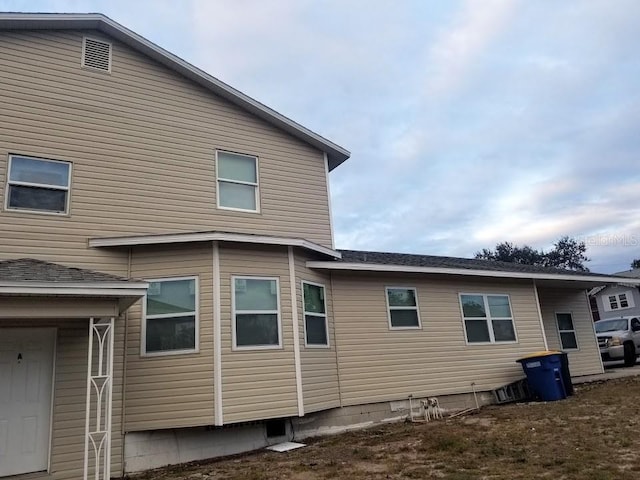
(635, 273)
(32, 270)
(413, 260)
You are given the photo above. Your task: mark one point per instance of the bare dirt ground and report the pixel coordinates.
(594, 435)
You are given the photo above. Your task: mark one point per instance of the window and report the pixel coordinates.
(256, 313)
(487, 318)
(568, 340)
(237, 181)
(171, 316)
(38, 185)
(315, 315)
(403, 308)
(619, 301)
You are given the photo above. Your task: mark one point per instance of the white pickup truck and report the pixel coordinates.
(619, 339)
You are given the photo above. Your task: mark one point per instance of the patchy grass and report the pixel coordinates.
(593, 435)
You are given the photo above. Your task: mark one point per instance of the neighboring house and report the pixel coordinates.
(618, 300)
(169, 286)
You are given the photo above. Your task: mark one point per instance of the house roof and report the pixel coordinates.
(211, 236)
(409, 259)
(31, 277)
(96, 21)
(634, 273)
(32, 270)
(357, 260)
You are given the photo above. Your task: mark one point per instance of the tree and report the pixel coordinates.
(567, 253)
(635, 263)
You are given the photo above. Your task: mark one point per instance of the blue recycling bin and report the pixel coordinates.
(544, 374)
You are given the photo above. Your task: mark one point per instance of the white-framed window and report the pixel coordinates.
(237, 176)
(256, 313)
(566, 331)
(487, 318)
(619, 301)
(170, 316)
(402, 308)
(38, 185)
(316, 330)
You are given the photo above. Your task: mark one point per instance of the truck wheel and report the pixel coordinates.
(629, 355)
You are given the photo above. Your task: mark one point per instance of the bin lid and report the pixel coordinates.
(544, 353)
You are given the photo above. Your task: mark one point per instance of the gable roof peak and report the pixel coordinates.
(97, 21)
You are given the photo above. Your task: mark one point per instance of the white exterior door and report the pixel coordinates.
(26, 370)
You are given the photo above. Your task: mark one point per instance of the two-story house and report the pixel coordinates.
(169, 285)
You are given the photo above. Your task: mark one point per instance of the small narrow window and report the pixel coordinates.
(487, 318)
(237, 181)
(568, 339)
(623, 301)
(171, 316)
(315, 315)
(38, 185)
(402, 307)
(613, 302)
(256, 315)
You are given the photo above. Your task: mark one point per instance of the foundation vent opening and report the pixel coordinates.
(96, 55)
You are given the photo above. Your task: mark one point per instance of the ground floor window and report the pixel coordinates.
(487, 318)
(171, 316)
(256, 313)
(315, 315)
(402, 305)
(567, 332)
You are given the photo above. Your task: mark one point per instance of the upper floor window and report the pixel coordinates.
(567, 331)
(402, 307)
(315, 315)
(256, 313)
(171, 316)
(38, 185)
(237, 181)
(487, 318)
(619, 301)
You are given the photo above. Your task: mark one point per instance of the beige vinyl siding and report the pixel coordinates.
(70, 396)
(142, 142)
(171, 391)
(378, 364)
(585, 360)
(320, 385)
(256, 384)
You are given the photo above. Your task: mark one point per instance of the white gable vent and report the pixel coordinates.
(96, 55)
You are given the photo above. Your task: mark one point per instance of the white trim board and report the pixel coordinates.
(75, 290)
(209, 237)
(376, 267)
(296, 331)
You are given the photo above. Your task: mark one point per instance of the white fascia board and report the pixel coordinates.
(74, 289)
(209, 237)
(375, 267)
(337, 154)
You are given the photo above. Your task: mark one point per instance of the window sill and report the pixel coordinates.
(169, 353)
(249, 348)
(36, 212)
(232, 209)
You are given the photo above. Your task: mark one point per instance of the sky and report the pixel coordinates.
(469, 122)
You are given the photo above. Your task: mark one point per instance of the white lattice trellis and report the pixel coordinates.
(97, 443)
